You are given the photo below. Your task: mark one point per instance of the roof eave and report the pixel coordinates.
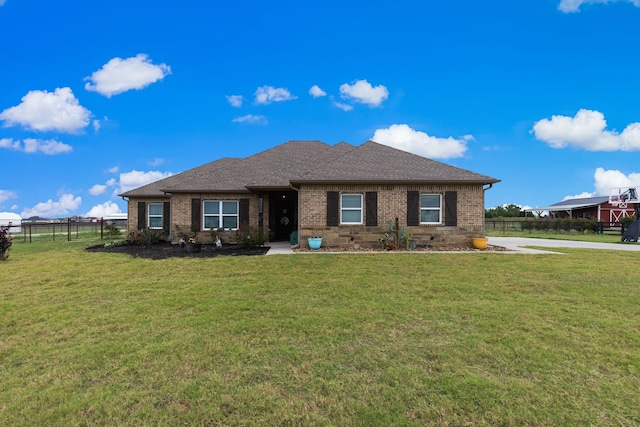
(391, 181)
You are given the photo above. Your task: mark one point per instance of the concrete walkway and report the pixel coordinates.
(279, 248)
(518, 244)
(515, 244)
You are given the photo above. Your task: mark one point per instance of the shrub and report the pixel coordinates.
(5, 242)
(112, 231)
(251, 237)
(145, 237)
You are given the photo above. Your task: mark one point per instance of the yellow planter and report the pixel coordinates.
(480, 242)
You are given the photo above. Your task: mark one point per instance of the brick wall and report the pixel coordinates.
(392, 204)
(181, 213)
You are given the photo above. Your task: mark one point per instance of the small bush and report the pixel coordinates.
(145, 237)
(251, 237)
(5, 242)
(112, 231)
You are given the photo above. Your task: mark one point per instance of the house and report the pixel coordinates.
(593, 208)
(347, 194)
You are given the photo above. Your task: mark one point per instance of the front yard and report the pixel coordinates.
(333, 339)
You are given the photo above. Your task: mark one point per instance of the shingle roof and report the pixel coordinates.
(311, 162)
(374, 162)
(571, 204)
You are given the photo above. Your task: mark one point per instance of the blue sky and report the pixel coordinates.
(100, 97)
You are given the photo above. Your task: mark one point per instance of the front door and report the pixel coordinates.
(283, 214)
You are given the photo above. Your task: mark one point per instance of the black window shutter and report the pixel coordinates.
(142, 215)
(451, 208)
(195, 215)
(243, 213)
(413, 208)
(166, 216)
(333, 208)
(371, 201)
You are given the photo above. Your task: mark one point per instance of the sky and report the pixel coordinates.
(97, 98)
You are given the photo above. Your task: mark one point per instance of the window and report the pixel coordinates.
(430, 208)
(351, 209)
(220, 214)
(155, 215)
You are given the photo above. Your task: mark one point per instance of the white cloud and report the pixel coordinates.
(96, 125)
(417, 142)
(10, 144)
(121, 75)
(269, 94)
(343, 106)
(97, 189)
(6, 195)
(316, 92)
(135, 179)
(235, 100)
(111, 182)
(361, 91)
(569, 6)
(114, 169)
(587, 131)
(156, 162)
(583, 195)
(48, 111)
(31, 145)
(605, 180)
(104, 209)
(65, 204)
(250, 118)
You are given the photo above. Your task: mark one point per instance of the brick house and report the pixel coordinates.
(346, 194)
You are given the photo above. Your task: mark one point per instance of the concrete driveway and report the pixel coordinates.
(518, 244)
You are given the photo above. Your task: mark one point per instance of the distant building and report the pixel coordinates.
(594, 208)
(12, 220)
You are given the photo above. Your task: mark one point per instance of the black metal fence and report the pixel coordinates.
(561, 226)
(64, 230)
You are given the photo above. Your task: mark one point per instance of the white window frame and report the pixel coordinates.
(431, 209)
(220, 215)
(149, 216)
(342, 209)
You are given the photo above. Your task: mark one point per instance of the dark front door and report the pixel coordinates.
(283, 214)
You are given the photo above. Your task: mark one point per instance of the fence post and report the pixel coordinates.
(101, 228)
(68, 229)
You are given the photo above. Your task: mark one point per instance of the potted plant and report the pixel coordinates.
(314, 242)
(192, 245)
(480, 242)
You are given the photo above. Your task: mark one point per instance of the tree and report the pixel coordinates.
(504, 211)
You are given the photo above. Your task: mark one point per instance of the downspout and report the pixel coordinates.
(483, 219)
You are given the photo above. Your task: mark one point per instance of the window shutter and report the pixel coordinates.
(333, 208)
(413, 208)
(195, 215)
(451, 208)
(142, 215)
(371, 202)
(243, 213)
(166, 216)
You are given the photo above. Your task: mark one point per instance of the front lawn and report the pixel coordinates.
(319, 339)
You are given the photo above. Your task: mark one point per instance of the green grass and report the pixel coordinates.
(320, 339)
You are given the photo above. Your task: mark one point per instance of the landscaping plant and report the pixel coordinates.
(5, 242)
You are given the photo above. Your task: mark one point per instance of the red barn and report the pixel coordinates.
(594, 208)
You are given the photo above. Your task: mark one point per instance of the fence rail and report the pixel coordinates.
(62, 230)
(554, 226)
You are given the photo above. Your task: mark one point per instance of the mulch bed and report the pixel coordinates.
(164, 250)
(490, 248)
